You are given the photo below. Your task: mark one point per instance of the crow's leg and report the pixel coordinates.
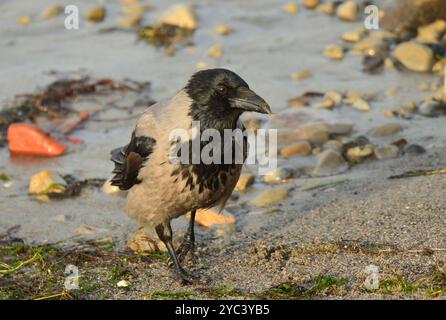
(188, 244)
(164, 232)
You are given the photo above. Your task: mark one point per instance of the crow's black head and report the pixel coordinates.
(221, 95)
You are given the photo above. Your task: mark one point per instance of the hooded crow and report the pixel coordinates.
(161, 189)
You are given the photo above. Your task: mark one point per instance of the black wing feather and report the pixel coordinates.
(129, 159)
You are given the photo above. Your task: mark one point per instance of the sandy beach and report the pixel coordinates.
(317, 243)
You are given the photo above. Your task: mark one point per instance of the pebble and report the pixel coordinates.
(415, 56)
(327, 8)
(130, 21)
(353, 36)
(386, 130)
(52, 12)
(330, 162)
(302, 148)
(387, 152)
(141, 243)
(223, 30)
(270, 197)
(431, 33)
(108, 188)
(24, 20)
(123, 284)
(413, 150)
(336, 97)
(301, 75)
(361, 105)
(279, 175)
(96, 14)
(180, 15)
(244, 182)
(311, 4)
(333, 145)
(367, 44)
(59, 218)
(325, 104)
(334, 52)
(432, 108)
(348, 10)
(359, 153)
(291, 8)
(216, 51)
(47, 182)
(315, 133)
(439, 67)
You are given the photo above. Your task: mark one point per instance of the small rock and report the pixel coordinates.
(291, 8)
(108, 188)
(316, 133)
(431, 33)
(386, 130)
(415, 56)
(432, 108)
(59, 218)
(202, 65)
(439, 66)
(123, 284)
(52, 12)
(141, 243)
(130, 21)
(325, 104)
(180, 15)
(302, 148)
(223, 30)
(24, 20)
(334, 52)
(387, 152)
(327, 8)
(311, 4)
(366, 45)
(413, 150)
(46, 182)
(336, 97)
(304, 74)
(216, 51)
(270, 197)
(96, 14)
(359, 153)
(348, 10)
(278, 175)
(333, 145)
(244, 182)
(353, 36)
(400, 143)
(330, 162)
(361, 105)
(340, 128)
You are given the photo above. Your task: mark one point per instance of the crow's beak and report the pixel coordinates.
(248, 100)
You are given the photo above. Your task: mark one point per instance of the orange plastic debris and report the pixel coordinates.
(26, 139)
(209, 217)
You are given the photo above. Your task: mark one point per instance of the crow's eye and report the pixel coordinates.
(222, 90)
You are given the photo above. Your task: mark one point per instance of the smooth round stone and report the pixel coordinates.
(279, 175)
(270, 197)
(330, 162)
(348, 10)
(386, 130)
(413, 150)
(311, 4)
(415, 56)
(244, 182)
(302, 148)
(360, 152)
(334, 52)
(333, 145)
(387, 152)
(432, 108)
